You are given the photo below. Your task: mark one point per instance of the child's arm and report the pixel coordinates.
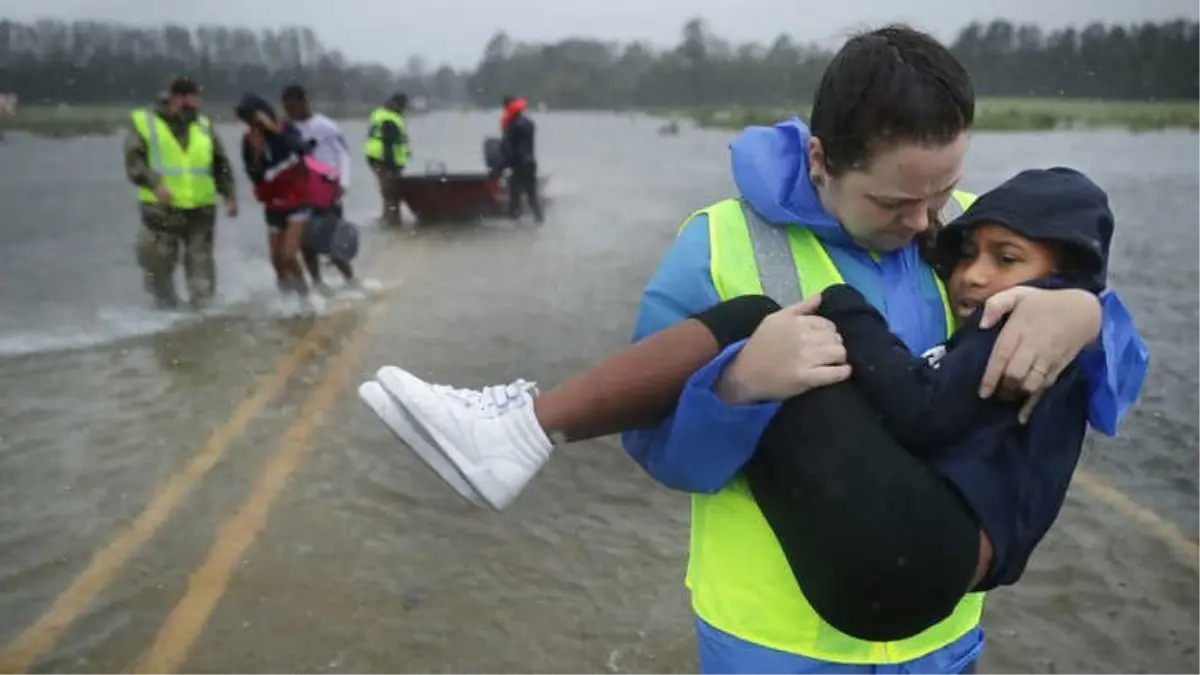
(925, 406)
(704, 442)
(252, 160)
(1015, 477)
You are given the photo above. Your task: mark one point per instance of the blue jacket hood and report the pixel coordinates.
(770, 169)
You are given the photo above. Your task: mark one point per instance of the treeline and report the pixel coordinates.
(101, 62)
(1147, 61)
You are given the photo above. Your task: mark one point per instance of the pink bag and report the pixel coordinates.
(322, 184)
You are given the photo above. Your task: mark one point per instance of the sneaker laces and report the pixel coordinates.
(492, 398)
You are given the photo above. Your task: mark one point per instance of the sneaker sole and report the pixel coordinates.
(402, 426)
(394, 379)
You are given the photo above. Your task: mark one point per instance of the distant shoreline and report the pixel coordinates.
(996, 114)
(992, 114)
(68, 121)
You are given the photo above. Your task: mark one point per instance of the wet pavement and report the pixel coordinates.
(209, 495)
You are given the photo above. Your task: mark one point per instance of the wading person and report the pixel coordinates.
(959, 489)
(328, 234)
(179, 168)
(850, 201)
(517, 151)
(387, 152)
(274, 154)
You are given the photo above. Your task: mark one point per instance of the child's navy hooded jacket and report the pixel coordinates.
(271, 168)
(1013, 476)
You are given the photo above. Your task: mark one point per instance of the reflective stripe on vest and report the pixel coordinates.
(187, 174)
(374, 146)
(740, 580)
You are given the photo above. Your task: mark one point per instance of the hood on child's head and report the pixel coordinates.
(251, 104)
(1060, 205)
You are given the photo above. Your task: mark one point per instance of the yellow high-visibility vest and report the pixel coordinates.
(374, 147)
(187, 174)
(738, 575)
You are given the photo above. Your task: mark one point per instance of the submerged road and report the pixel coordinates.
(213, 497)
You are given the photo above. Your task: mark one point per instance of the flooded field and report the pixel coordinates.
(207, 494)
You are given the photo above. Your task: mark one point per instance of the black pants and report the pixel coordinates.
(522, 180)
(882, 546)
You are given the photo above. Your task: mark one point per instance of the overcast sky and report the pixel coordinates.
(456, 30)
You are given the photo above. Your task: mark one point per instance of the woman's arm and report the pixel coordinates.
(1047, 330)
(252, 158)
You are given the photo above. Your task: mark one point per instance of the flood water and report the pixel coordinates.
(305, 539)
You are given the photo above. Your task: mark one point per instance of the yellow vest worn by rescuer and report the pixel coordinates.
(374, 147)
(187, 174)
(739, 579)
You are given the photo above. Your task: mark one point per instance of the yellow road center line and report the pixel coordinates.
(1099, 489)
(208, 584)
(238, 533)
(105, 564)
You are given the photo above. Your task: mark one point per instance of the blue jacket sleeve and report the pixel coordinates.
(704, 443)
(1115, 366)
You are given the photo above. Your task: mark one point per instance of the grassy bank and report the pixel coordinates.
(997, 114)
(64, 121)
(1003, 114)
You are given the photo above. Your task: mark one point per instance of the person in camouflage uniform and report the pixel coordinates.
(172, 224)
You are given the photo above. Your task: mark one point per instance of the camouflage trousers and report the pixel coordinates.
(164, 235)
(389, 190)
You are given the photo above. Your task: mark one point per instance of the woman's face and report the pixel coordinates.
(887, 204)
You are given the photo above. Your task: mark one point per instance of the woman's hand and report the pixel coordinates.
(266, 122)
(1045, 332)
(791, 352)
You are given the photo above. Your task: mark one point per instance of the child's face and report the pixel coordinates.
(994, 259)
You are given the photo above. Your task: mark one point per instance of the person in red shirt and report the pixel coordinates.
(517, 146)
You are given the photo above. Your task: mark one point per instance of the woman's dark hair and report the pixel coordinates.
(891, 85)
(252, 104)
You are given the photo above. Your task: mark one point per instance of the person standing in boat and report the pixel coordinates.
(517, 144)
(387, 152)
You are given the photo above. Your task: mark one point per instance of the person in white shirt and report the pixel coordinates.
(329, 148)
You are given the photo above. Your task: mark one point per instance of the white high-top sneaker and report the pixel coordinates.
(393, 415)
(491, 436)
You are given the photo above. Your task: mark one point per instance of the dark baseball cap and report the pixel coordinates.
(183, 86)
(1060, 206)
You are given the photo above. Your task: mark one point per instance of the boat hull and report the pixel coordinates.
(461, 197)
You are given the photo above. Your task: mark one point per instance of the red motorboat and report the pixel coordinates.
(439, 196)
